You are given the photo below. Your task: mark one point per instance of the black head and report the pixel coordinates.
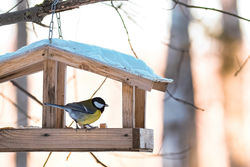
(99, 103)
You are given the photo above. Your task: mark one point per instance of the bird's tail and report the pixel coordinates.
(56, 106)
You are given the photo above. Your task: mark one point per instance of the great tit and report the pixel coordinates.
(84, 112)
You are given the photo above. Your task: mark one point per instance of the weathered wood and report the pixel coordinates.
(49, 118)
(21, 64)
(107, 139)
(128, 106)
(37, 13)
(60, 99)
(140, 103)
(22, 72)
(143, 139)
(161, 86)
(99, 68)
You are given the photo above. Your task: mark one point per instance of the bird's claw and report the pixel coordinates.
(89, 127)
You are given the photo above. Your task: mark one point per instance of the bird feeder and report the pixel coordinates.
(52, 59)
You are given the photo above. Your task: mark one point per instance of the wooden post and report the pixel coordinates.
(140, 102)
(128, 106)
(61, 79)
(53, 92)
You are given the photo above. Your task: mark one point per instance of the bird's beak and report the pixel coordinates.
(106, 105)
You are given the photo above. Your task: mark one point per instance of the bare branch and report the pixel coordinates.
(212, 9)
(37, 13)
(47, 159)
(26, 92)
(19, 108)
(241, 67)
(99, 87)
(14, 6)
(97, 160)
(183, 101)
(125, 27)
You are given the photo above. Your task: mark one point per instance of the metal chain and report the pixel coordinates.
(58, 16)
(51, 25)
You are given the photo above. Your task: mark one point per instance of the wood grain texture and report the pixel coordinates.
(128, 106)
(19, 63)
(99, 68)
(60, 94)
(107, 139)
(22, 72)
(140, 106)
(49, 117)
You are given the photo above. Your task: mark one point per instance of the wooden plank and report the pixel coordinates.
(22, 72)
(99, 68)
(21, 62)
(128, 106)
(60, 97)
(49, 118)
(143, 143)
(161, 86)
(140, 103)
(107, 139)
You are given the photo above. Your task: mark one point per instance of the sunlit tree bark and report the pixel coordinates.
(230, 42)
(21, 157)
(179, 119)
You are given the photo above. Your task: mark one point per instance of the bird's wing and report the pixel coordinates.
(79, 107)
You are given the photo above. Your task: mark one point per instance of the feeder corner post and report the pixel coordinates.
(133, 106)
(53, 92)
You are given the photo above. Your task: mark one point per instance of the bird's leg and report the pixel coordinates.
(77, 127)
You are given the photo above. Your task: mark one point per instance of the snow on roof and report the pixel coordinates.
(105, 56)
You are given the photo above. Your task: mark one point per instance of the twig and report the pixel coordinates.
(183, 101)
(47, 159)
(212, 9)
(97, 160)
(175, 48)
(26, 92)
(18, 3)
(125, 27)
(19, 108)
(241, 67)
(99, 87)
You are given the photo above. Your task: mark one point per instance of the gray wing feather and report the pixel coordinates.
(79, 108)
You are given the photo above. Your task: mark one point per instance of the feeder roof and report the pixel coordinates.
(100, 60)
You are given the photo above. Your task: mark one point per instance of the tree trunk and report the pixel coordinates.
(179, 119)
(21, 157)
(230, 41)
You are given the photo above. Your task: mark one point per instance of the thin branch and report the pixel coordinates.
(99, 87)
(97, 160)
(38, 12)
(183, 101)
(19, 108)
(175, 48)
(212, 9)
(18, 3)
(47, 159)
(125, 27)
(241, 67)
(26, 92)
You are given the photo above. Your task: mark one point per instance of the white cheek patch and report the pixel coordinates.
(98, 105)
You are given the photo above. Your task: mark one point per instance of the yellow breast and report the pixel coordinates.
(90, 118)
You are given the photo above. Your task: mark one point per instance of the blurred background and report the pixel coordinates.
(202, 50)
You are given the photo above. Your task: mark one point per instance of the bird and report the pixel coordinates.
(84, 112)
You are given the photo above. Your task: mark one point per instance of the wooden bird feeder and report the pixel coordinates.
(52, 59)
